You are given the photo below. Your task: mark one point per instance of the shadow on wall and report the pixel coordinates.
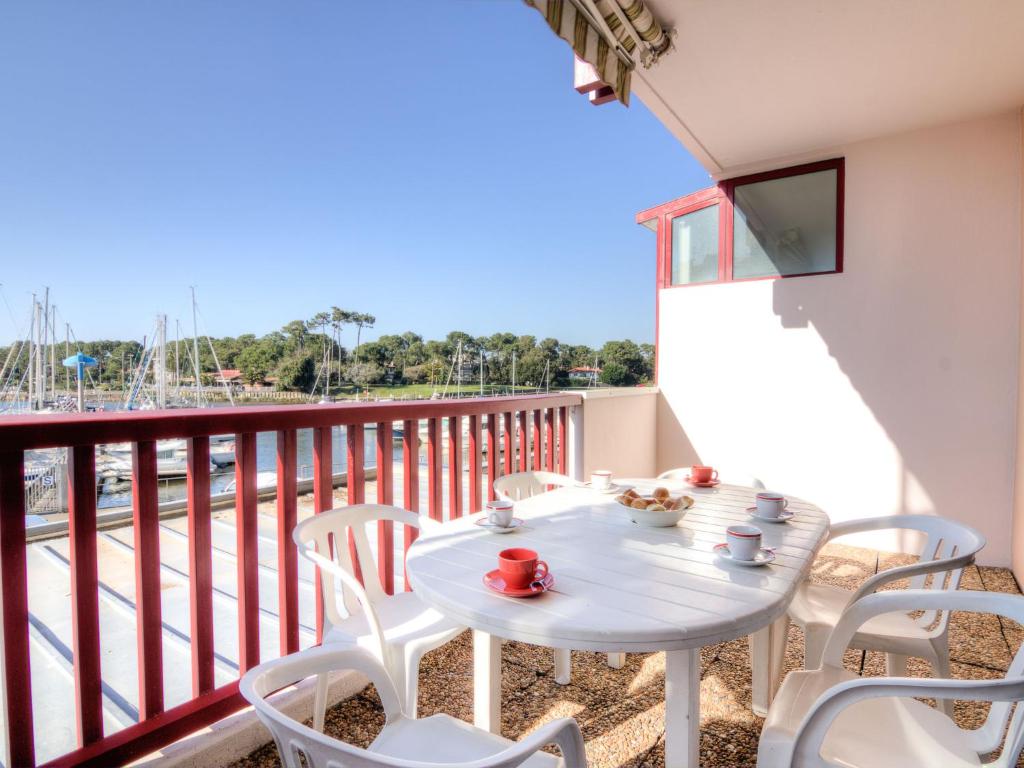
(672, 439)
(924, 321)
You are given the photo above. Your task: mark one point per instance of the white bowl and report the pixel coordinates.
(664, 519)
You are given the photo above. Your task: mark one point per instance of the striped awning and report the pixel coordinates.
(610, 35)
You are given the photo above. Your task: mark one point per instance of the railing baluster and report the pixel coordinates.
(323, 499)
(454, 467)
(563, 418)
(385, 495)
(434, 469)
(509, 439)
(200, 559)
(524, 442)
(149, 626)
(410, 482)
(549, 439)
(356, 473)
(492, 454)
(17, 677)
(474, 455)
(247, 551)
(85, 608)
(287, 554)
(355, 463)
(538, 442)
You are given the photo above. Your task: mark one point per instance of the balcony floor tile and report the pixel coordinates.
(621, 711)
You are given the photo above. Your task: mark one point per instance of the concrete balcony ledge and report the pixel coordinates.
(620, 431)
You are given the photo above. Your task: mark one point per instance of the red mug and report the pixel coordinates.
(700, 474)
(520, 567)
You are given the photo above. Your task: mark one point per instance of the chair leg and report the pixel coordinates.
(616, 660)
(320, 703)
(407, 682)
(940, 663)
(814, 646)
(895, 665)
(563, 666)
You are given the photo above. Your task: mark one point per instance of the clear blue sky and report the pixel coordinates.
(429, 164)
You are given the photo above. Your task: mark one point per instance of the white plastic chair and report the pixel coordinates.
(831, 717)
(523, 485)
(405, 742)
(729, 478)
(397, 629)
(949, 547)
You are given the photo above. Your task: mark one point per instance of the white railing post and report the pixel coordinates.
(575, 467)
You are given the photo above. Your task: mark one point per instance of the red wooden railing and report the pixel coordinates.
(489, 420)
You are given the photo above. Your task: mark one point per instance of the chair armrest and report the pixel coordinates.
(811, 733)
(890, 575)
(906, 600)
(564, 733)
(862, 524)
(332, 569)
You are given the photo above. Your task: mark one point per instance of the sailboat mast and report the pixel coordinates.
(177, 362)
(44, 339)
(481, 373)
(67, 353)
(160, 366)
(195, 345)
(40, 358)
(31, 353)
(53, 349)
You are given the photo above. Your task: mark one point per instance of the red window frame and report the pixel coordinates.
(722, 195)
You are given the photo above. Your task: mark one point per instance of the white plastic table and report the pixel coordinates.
(620, 587)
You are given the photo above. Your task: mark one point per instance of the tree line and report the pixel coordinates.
(305, 354)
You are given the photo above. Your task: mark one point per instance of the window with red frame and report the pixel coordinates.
(783, 223)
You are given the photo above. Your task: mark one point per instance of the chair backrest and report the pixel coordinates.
(1004, 694)
(334, 534)
(947, 542)
(523, 485)
(303, 747)
(299, 745)
(726, 476)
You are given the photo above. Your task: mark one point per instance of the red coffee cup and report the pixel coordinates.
(700, 474)
(520, 567)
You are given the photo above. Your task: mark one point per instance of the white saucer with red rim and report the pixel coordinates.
(494, 581)
(611, 489)
(483, 522)
(763, 556)
(784, 515)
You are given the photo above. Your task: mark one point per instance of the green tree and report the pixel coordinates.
(255, 362)
(616, 375)
(365, 374)
(296, 332)
(629, 364)
(362, 320)
(296, 372)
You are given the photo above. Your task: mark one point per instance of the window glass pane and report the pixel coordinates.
(785, 226)
(695, 246)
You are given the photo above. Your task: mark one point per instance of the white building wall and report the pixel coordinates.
(890, 388)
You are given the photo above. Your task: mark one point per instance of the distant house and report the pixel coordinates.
(231, 376)
(584, 375)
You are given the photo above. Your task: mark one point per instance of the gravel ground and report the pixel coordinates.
(621, 711)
